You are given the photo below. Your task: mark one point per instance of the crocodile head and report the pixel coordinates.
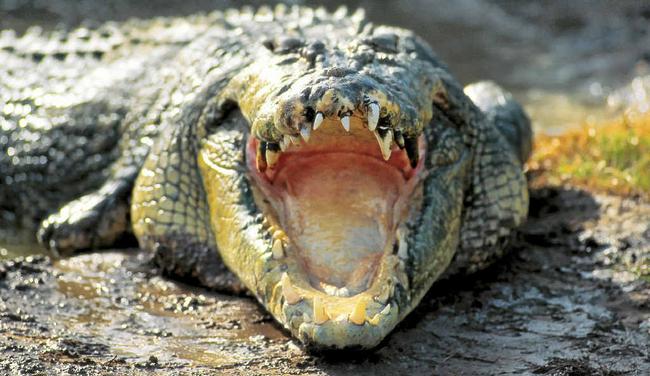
(350, 203)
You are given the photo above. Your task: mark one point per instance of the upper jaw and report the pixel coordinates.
(387, 137)
(283, 110)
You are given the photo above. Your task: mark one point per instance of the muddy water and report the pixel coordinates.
(153, 316)
(568, 62)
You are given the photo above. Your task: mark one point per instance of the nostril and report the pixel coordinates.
(338, 72)
(269, 44)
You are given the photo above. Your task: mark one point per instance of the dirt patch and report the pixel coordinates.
(564, 302)
(573, 367)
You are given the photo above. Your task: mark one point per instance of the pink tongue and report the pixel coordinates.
(338, 213)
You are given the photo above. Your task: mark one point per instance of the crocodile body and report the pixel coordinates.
(207, 137)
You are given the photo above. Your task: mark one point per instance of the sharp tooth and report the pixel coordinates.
(345, 120)
(358, 315)
(260, 158)
(412, 150)
(386, 310)
(343, 291)
(402, 247)
(373, 116)
(284, 144)
(318, 120)
(374, 320)
(329, 289)
(320, 313)
(277, 249)
(295, 139)
(291, 296)
(279, 234)
(377, 317)
(385, 143)
(305, 132)
(272, 154)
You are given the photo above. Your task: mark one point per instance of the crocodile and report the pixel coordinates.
(330, 167)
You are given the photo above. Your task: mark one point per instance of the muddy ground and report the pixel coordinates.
(563, 303)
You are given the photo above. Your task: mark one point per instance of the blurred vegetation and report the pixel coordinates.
(612, 157)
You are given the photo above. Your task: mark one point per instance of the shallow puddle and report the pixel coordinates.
(155, 316)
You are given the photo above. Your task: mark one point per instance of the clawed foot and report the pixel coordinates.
(94, 220)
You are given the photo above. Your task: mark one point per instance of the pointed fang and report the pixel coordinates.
(358, 315)
(385, 143)
(320, 313)
(272, 154)
(318, 120)
(277, 249)
(373, 116)
(291, 296)
(284, 144)
(375, 320)
(305, 132)
(345, 120)
(260, 158)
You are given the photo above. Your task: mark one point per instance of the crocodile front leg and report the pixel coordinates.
(95, 220)
(100, 216)
(170, 215)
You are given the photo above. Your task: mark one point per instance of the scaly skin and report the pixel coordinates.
(144, 126)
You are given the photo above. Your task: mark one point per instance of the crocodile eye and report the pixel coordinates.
(283, 45)
(269, 44)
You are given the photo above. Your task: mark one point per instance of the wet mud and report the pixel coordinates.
(564, 302)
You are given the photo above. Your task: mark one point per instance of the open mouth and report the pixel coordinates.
(337, 201)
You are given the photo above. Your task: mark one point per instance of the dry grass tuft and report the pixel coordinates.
(612, 158)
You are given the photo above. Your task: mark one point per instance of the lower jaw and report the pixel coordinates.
(322, 320)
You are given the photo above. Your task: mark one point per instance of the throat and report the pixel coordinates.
(338, 210)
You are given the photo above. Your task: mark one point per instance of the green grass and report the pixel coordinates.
(613, 158)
